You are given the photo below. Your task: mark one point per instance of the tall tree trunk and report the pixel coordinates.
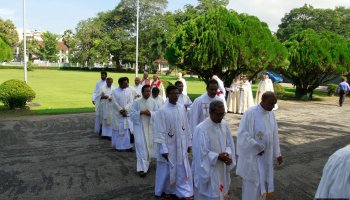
(300, 91)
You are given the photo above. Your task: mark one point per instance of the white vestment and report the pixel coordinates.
(335, 180)
(172, 136)
(159, 100)
(143, 131)
(223, 92)
(257, 132)
(184, 91)
(184, 100)
(200, 109)
(98, 111)
(106, 107)
(246, 97)
(212, 176)
(233, 98)
(122, 99)
(138, 89)
(264, 86)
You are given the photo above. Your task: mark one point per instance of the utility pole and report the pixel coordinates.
(137, 38)
(24, 41)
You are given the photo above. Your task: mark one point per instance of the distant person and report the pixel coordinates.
(183, 98)
(257, 148)
(342, 90)
(213, 155)
(98, 111)
(145, 79)
(155, 96)
(180, 78)
(335, 180)
(122, 101)
(233, 98)
(141, 114)
(200, 107)
(246, 96)
(264, 85)
(137, 88)
(221, 90)
(172, 140)
(106, 106)
(158, 84)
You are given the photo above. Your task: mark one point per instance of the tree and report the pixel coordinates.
(33, 48)
(5, 51)
(315, 59)
(8, 33)
(49, 48)
(226, 44)
(205, 5)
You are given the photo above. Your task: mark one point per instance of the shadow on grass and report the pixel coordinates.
(6, 112)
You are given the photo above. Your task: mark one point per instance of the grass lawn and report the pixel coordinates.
(59, 91)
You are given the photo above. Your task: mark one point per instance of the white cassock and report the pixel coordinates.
(246, 97)
(184, 91)
(122, 99)
(211, 176)
(200, 109)
(223, 92)
(335, 180)
(184, 100)
(106, 107)
(233, 98)
(257, 132)
(98, 111)
(159, 100)
(138, 89)
(264, 86)
(172, 136)
(143, 131)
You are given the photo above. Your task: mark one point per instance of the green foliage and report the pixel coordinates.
(49, 51)
(30, 66)
(315, 59)
(166, 83)
(331, 89)
(279, 90)
(33, 48)
(205, 5)
(226, 44)
(8, 33)
(15, 93)
(5, 52)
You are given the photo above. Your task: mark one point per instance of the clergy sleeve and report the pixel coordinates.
(276, 142)
(135, 113)
(195, 114)
(115, 103)
(207, 158)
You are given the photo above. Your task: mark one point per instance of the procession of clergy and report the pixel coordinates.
(168, 126)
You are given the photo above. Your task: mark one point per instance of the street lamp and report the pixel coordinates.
(137, 37)
(24, 42)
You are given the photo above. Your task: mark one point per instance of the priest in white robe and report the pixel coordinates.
(183, 98)
(122, 99)
(105, 94)
(265, 85)
(213, 156)
(172, 143)
(335, 180)
(180, 78)
(233, 98)
(137, 88)
(246, 96)
(200, 107)
(155, 96)
(142, 114)
(257, 147)
(221, 90)
(96, 102)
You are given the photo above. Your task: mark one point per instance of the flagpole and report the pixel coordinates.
(137, 38)
(24, 42)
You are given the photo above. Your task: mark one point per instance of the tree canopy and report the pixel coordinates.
(8, 33)
(5, 51)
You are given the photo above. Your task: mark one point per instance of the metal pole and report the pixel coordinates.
(24, 41)
(137, 38)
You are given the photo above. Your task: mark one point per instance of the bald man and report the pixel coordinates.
(257, 147)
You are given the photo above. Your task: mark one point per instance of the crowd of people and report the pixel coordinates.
(166, 127)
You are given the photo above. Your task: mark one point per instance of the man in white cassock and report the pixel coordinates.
(183, 98)
(155, 96)
(172, 140)
(265, 85)
(96, 101)
(105, 95)
(200, 107)
(246, 96)
(137, 88)
(213, 156)
(180, 78)
(122, 99)
(257, 147)
(221, 90)
(335, 180)
(142, 114)
(233, 98)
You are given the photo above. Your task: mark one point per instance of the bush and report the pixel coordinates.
(279, 90)
(30, 66)
(331, 89)
(15, 93)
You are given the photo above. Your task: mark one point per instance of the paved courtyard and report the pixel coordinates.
(58, 157)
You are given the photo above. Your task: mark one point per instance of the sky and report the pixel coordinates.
(57, 16)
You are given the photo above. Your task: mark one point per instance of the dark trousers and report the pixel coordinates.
(341, 97)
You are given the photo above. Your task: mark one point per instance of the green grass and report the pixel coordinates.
(59, 91)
